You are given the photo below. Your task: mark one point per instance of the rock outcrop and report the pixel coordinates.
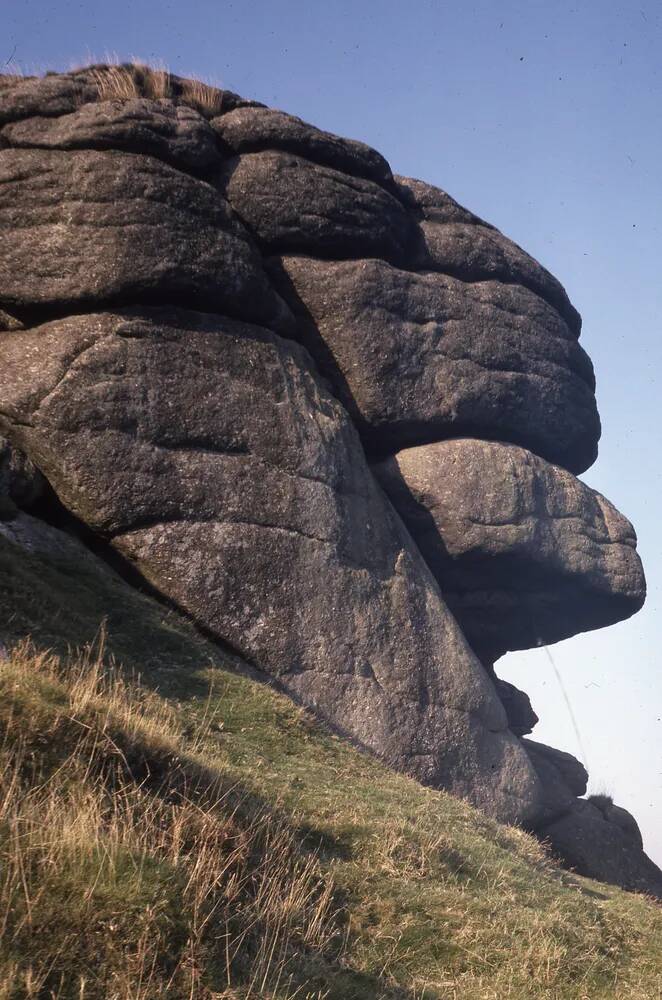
(209, 454)
(211, 312)
(457, 242)
(253, 130)
(177, 134)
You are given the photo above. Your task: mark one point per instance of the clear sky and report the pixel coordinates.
(543, 117)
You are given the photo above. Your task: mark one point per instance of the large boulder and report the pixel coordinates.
(253, 130)
(525, 553)
(174, 133)
(209, 454)
(604, 844)
(419, 357)
(294, 205)
(85, 227)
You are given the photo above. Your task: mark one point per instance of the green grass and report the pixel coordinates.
(173, 828)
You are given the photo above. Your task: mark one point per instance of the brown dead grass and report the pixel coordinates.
(131, 80)
(203, 97)
(115, 83)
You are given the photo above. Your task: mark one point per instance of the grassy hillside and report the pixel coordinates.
(170, 827)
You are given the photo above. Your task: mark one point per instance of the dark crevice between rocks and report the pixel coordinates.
(35, 314)
(380, 443)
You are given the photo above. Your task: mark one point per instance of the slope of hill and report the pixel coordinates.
(171, 827)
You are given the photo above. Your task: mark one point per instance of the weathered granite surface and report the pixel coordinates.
(209, 454)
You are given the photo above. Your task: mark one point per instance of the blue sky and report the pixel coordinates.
(545, 118)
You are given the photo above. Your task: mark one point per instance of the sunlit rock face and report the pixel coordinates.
(327, 411)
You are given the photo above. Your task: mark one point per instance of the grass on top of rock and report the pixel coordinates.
(171, 827)
(115, 81)
(122, 82)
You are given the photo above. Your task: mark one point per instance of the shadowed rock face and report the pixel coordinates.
(21, 483)
(524, 553)
(202, 301)
(521, 717)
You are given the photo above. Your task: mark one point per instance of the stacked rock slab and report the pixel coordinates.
(211, 312)
(416, 356)
(525, 553)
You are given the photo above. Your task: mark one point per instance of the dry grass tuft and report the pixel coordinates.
(7, 79)
(130, 80)
(203, 97)
(115, 83)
